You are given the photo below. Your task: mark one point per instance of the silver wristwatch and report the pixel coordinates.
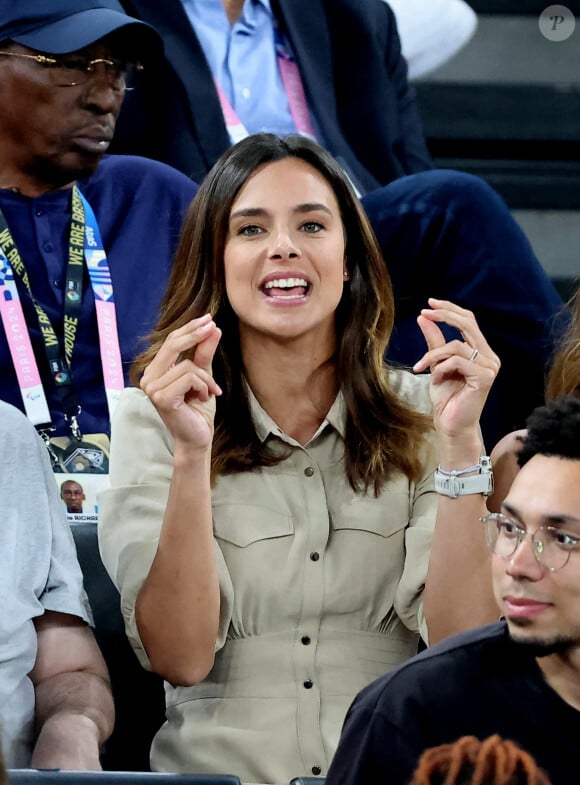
(455, 484)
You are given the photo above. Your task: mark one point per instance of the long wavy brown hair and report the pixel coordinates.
(564, 375)
(383, 433)
(469, 761)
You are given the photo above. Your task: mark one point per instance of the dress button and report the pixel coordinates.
(57, 284)
(48, 247)
(309, 471)
(316, 770)
(305, 640)
(38, 212)
(308, 685)
(314, 556)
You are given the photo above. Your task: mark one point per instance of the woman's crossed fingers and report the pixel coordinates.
(472, 349)
(182, 389)
(462, 372)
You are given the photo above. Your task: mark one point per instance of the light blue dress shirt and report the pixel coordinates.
(243, 60)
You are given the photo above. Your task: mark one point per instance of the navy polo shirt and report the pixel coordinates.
(139, 205)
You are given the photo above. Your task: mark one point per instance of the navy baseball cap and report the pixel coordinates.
(62, 26)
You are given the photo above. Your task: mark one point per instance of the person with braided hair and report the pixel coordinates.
(470, 761)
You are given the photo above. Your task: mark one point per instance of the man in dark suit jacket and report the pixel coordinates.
(443, 234)
(349, 56)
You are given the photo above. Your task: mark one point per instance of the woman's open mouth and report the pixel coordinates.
(286, 289)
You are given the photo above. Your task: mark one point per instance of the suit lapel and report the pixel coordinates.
(307, 28)
(184, 53)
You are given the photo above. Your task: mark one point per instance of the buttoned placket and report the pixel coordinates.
(315, 536)
(41, 220)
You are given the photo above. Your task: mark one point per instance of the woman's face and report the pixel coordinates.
(284, 254)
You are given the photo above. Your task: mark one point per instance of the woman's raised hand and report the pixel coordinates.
(182, 390)
(462, 372)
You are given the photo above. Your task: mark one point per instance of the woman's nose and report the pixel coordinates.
(283, 246)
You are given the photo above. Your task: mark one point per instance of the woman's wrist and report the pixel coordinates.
(189, 457)
(456, 455)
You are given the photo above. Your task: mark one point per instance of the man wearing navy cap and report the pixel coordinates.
(85, 248)
(86, 241)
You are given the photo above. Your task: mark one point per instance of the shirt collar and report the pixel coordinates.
(265, 426)
(211, 3)
(251, 14)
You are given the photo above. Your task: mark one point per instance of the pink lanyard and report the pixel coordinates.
(19, 343)
(293, 88)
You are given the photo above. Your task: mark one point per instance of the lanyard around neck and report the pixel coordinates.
(293, 87)
(85, 246)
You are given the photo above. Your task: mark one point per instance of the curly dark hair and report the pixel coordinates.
(553, 429)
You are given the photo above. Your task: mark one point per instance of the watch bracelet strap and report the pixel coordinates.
(453, 484)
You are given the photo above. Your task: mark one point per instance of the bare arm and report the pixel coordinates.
(458, 593)
(74, 712)
(177, 608)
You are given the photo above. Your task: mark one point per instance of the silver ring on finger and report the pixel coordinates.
(474, 355)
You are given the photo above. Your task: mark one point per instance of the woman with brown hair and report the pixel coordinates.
(470, 761)
(563, 379)
(273, 524)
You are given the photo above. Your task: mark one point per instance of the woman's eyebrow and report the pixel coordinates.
(306, 207)
(312, 207)
(248, 212)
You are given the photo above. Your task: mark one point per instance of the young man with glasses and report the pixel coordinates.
(520, 677)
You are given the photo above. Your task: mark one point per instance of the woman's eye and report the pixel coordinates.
(311, 227)
(250, 231)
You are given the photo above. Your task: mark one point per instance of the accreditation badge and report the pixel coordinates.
(81, 471)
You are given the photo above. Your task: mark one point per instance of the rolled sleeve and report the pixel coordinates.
(132, 510)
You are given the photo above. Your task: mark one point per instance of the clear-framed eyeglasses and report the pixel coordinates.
(552, 545)
(75, 70)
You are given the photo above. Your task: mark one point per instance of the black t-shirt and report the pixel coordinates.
(477, 683)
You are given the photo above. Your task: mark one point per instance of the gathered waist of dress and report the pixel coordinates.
(340, 662)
